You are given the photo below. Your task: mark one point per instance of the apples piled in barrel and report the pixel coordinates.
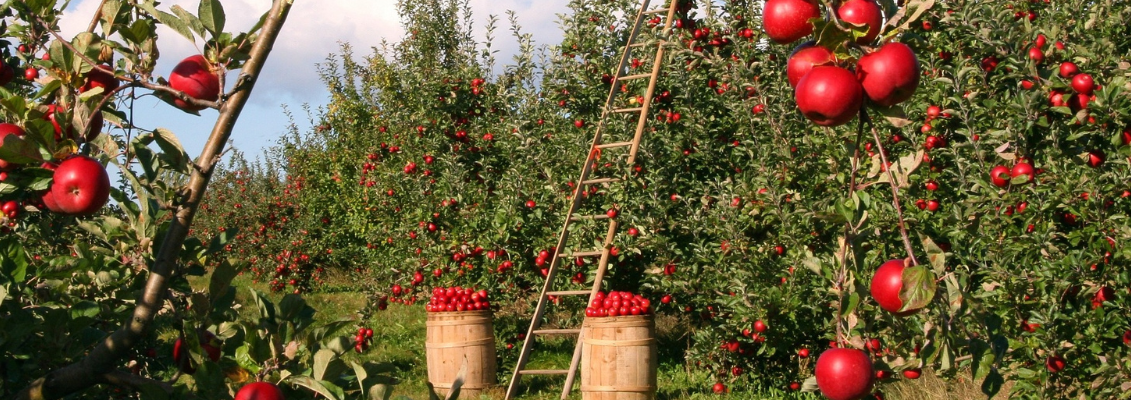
(828, 88)
(456, 299)
(616, 304)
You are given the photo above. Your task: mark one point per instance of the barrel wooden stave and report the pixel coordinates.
(618, 358)
(452, 336)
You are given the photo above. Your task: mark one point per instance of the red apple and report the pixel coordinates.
(1036, 55)
(889, 75)
(829, 96)
(31, 74)
(1041, 40)
(97, 78)
(1023, 169)
(1055, 364)
(760, 326)
(1096, 158)
(259, 391)
(1083, 84)
(913, 373)
(53, 110)
(785, 21)
(1068, 69)
(1000, 176)
(5, 130)
(989, 64)
(7, 74)
(719, 388)
(863, 12)
(887, 284)
(80, 186)
(208, 343)
(804, 57)
(195, 77)
(844, 374)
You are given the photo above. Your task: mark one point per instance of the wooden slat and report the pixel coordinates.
(628, 110)
(578, 254)
(601, 180)
(614, 144)
(656, 11)
(543, 372)
(557, 331)
(569, 293)
(588, 217)
(631, 77)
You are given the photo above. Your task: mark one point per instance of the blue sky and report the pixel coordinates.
(313, 30)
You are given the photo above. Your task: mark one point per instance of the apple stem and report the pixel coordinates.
(894, 186)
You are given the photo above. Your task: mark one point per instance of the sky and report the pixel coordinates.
(313, 30)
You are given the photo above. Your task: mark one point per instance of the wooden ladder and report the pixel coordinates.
(584, 182)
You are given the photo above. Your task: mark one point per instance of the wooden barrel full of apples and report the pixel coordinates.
(453, 337)
(618, 358)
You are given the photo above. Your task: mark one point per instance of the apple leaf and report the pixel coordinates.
(830, 36)
(918, 288)
(212, 16)
(170, 20)
(993, 383)
(810, 385)
(192, 21)
(19, 151)
(894, 115)
(324, 388)
(935, 254)
(921, 6)
(853, 301)
(221, 280)
(322, 360)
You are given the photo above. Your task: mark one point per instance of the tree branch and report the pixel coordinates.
(894, 188)
(103, 358)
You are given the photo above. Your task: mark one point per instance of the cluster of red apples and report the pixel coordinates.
(457, 299)
(616, 304)
(828, 92)
(80, 185)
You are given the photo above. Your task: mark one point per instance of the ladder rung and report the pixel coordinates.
(588, 217)
(642, 44)
(568, 293)
(628, 110)
(631, 77)
(600, 180)
(544, 372)
(582, 254)
(656, 11)
(557, 331)
(617, 144)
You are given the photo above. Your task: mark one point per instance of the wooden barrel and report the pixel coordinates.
(453, 336)
(618, 358)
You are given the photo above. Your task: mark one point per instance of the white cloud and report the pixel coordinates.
(313, 30)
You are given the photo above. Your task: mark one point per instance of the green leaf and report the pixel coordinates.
(191, 20)
(918, 288)
(221, 280)
(169, 20)
(212, 16)
(322, 360)
(324, 388)
(993, 383)
(84, 308)
(935, 254)
(14, 261)
(894, 115)
(853, 302)
(219, 241)
(19, 151)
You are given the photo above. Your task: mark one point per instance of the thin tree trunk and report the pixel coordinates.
(98, 365)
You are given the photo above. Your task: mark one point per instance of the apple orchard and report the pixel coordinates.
(831, 195)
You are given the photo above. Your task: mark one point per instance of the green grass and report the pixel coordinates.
(398, 350)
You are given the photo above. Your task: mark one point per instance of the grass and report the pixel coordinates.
(399, 335)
